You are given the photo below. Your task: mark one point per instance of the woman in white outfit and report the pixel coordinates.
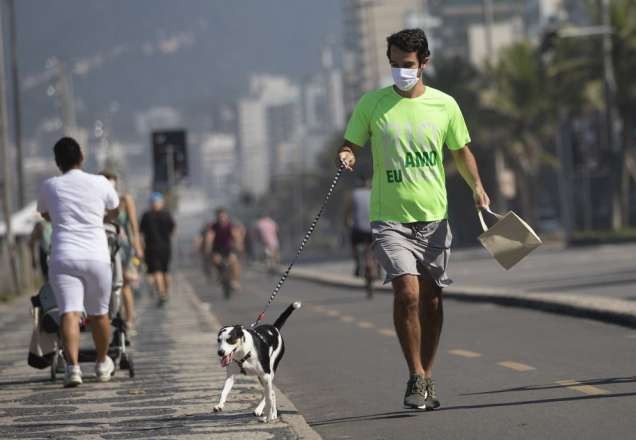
(80, 273)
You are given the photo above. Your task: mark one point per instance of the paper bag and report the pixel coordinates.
(509, 240)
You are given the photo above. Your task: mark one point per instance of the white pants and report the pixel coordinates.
(81, 285)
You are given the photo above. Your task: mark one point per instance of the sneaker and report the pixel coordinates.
(104, 370)
(131, 330)
(432, 401)
(72, 376)
(416, 393)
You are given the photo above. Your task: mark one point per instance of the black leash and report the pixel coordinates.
(300, 248)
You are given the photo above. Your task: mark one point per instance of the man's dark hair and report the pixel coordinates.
(68, 154)
(409, 40)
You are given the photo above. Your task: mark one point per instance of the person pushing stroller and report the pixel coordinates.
(80, 272)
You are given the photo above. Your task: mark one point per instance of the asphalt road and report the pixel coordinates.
(501, 372)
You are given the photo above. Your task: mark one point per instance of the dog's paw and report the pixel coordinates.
(258, 412)
(217, 408)
(271, 417)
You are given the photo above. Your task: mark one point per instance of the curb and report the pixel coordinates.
(292, 415)
(610, 310)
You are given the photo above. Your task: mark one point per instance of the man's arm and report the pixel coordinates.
(347, 155)
(467, 167)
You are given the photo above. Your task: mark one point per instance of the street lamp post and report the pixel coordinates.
(6, 172)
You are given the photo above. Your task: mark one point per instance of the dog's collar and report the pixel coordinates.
(247, 356)
(242, 361)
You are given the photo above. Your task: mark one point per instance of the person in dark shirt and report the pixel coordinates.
(157, 227)
(226, 239)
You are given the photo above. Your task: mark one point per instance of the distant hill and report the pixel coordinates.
(146, 53)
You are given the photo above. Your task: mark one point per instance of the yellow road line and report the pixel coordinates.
(387, 332)
(364, 324)
(585, 389)
(347, 318)
(517, 366)
(464, 353)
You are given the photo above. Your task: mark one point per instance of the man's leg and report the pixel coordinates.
(100, 326)
(158, 280)
(356, 258)
(406, 318)
(166, 282)
(431, 313)
(71, 336)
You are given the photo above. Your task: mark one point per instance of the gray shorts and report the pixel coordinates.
(421, 248)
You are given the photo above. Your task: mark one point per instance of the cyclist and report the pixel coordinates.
(225, 239)
(357, 218)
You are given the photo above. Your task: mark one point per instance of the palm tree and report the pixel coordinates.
(623, 22)
(519, 95)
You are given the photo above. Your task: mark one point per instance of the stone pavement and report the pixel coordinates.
(178, 380)
(597, 282)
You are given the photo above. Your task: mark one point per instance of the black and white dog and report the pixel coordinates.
(254, 352)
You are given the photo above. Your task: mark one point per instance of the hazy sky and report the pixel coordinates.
(144, 53)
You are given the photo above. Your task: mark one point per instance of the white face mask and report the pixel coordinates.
(405, 79)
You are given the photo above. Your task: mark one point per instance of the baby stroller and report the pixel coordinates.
(46, 343)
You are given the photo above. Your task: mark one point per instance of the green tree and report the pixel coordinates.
(518, 95)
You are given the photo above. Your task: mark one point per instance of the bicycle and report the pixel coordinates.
(225, 276)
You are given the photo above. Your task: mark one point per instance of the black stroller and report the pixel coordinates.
(46, 344)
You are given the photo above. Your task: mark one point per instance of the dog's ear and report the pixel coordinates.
(236, 334)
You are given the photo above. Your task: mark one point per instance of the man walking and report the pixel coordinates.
(157, 227)
(408, 124)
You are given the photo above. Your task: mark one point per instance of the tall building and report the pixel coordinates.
(367, 24)
(218, 161)
(269, 123)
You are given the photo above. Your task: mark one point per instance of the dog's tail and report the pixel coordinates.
(283, 316)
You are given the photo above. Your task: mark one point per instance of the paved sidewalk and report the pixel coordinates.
(594, 282)
(177, 382)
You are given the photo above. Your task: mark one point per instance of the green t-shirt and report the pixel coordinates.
(407, 139)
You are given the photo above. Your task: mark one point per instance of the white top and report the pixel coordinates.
(76, 202)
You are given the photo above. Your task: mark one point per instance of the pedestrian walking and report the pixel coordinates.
(266, 230)
(80, 271)
(157, 227)
(408, 123)
(129, 248)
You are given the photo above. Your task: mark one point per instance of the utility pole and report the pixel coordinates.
(6, 170)
(17, 112)
(489, 18)
(609, 80)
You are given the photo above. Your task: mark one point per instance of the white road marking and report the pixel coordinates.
(464, 353)
(332, 313)
(347, 318)
(582, 388)
(517, 366)
(387, 332)
(364, 324)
